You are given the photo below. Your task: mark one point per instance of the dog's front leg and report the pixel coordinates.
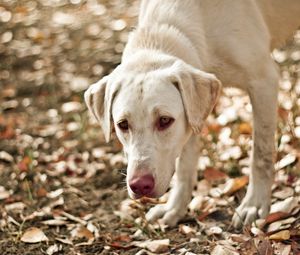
(180, 194)
(263, 95)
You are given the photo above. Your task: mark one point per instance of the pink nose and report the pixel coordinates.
(142, 185)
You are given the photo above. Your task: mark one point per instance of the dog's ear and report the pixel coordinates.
(199, 91)
(98, 98)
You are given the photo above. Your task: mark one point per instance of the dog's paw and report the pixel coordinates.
(167, 215)
(249, 211)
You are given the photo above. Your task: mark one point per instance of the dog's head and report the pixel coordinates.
(154, 108)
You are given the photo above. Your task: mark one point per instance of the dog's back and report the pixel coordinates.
(281, 17)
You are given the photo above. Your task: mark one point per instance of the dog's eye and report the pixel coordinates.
(123, 125)
(164, 122)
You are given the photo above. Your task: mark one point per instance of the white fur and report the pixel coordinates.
(166, 71)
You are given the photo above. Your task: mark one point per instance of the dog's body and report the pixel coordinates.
(163, 90)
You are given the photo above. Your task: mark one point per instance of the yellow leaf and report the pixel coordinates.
(233, 185)
(281, 235)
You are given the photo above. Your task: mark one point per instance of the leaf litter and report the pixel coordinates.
(61, 189)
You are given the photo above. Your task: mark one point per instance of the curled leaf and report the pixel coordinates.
(33, 235)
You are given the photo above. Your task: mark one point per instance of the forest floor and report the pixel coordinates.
(62, 190)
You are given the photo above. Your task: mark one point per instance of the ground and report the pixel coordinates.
(62, 187)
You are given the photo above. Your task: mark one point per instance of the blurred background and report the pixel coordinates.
(58, 176)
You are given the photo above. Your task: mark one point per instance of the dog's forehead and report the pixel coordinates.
(144, 94)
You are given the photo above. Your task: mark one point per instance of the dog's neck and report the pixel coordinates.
(165, 39)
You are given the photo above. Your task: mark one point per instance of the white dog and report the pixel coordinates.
(172, 71)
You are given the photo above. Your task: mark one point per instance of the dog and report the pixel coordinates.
(172, 70)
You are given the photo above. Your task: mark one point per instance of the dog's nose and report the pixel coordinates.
(142, 185)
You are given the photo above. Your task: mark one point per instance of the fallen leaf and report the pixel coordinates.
(4, 193)
(284, 193)
(18, 206)
(286, 161)
(239, 238)
(156, 246)
(196, 203)
(212, 174)
(214, 231)
(203, 188)
(186, 230)
(55, 193)
(74, 218)
(152, 201)
(256, 231)
(24, 164)
(6, 157)
(281, 235)
(233, 185)
(41, 192)
(71, 107)
(222, 250)
(82, 232)
(245, 128)
(123, 238)
(52, 249)
(55, 222)
(281, 224)
(120, 245)
(65, 241)
(282, 249)
(286, 205)
(265, 248)
(33, 235)
(272, 217)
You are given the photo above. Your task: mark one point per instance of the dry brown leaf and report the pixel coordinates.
(286, 205)
(284, 193)
(265, 248)
(272, 217)
(282, 249)
(5, 156)
(18, 206)
(196, 203)
(286, 161)
(82, 232)
(239, 238)
(4, 193)
(281, 224)
(222, 250)
(65, 241)
(55, 222)
(233, 185)
(24, 164)
(203, 188)
(281, 235)
(33, 235)
(256, 231)
(74, 218)
(245, 128)
(41, 192)
(212, 174)
(156, 246)
(120, 245)
(186, 230)
(153, 201)
(52, 249)
(214, 231)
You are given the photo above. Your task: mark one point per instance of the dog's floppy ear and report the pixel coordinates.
(99, 97)
(199, 91)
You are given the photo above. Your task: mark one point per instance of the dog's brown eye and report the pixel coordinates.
(123, 125)
(164, 122)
